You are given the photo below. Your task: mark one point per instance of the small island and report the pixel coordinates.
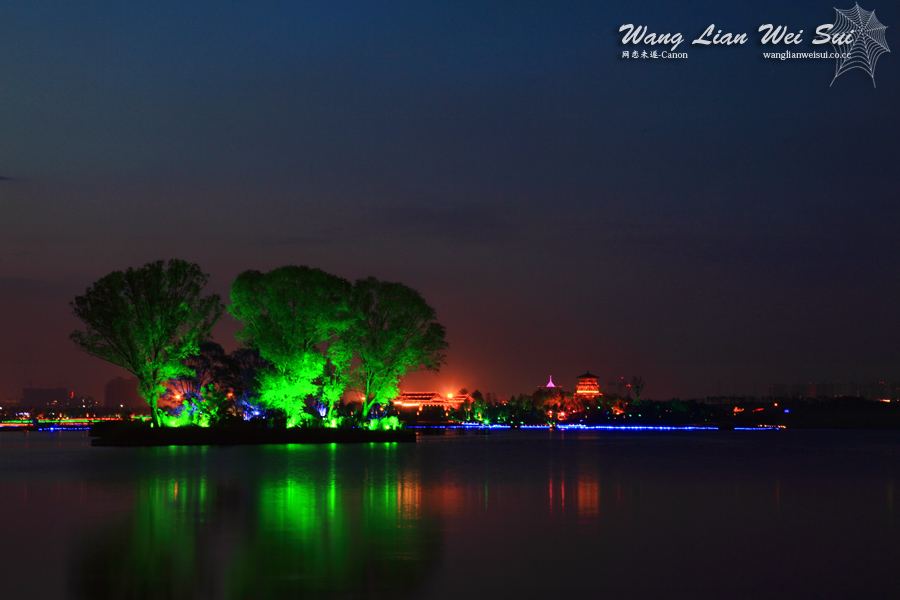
(321, 359)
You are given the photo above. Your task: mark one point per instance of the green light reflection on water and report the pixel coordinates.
(298, 521)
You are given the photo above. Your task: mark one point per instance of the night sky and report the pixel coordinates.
(719, 222)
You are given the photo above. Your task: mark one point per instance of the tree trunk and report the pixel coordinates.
(368, 405)
(150, 392)
(154, 415)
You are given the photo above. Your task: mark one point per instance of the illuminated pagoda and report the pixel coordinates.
(550, 393)
(588, 387)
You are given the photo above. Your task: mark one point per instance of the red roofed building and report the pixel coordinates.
(587, 386)
(420, 400)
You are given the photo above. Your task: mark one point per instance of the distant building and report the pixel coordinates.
(123, 393)
(845, 388)
(825, 389)
(549, 394)
(420, 400)
(588, 388)
(799, 390)
(44, 397)
(73, 401)
(895, 391)
(777, 390)
(876, 390)
(872, 390)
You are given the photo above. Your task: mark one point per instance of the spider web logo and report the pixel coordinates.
(866, 43)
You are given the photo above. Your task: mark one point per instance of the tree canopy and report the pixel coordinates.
(295, 316)
(323, 335)
(148, 321)
(394, 333)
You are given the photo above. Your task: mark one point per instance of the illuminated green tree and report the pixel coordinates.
(395, 332)
(479, 405)
(295, 317)
(148, 321)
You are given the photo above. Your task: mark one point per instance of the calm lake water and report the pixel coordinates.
(789, 514)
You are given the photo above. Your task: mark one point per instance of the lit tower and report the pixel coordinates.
(588, 387)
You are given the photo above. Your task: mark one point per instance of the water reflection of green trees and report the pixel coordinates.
(264, 537)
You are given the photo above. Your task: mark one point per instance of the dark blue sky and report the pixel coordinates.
(721, 218)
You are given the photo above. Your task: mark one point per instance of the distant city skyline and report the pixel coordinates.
(122, 392)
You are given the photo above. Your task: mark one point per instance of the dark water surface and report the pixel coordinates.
(790, 514)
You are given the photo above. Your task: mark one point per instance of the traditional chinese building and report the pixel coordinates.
(588, 387)
(550, 394)
(419, 400)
